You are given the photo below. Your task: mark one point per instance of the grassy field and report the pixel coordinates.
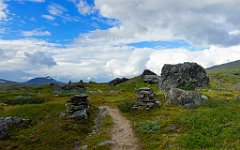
(214, 125)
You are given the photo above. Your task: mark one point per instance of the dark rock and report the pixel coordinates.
(78, 107)
(74, 87)
(6, 122)
(186, 75)
(151, 79)
(117, 81)
(187, 99)
(147, 72)
(146, 99)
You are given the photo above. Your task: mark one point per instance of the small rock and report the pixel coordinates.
(109, 142)
(83, 147)
(11, 121)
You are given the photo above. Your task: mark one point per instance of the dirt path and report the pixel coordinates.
(122, 132)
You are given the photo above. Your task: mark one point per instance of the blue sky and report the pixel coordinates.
(29, 16)
(103, 39)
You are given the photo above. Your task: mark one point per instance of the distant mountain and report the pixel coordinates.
(235, 65)
(42, 81)
(5, 82)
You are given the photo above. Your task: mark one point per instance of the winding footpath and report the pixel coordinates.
(122, 133)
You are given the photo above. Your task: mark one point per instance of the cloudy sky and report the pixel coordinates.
(103, 39)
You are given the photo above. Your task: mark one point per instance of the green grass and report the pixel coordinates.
(125, 107)
(211, 128)
(23, 100)
(148, 127)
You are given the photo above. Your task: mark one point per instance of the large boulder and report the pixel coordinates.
(8, 123)
(145, 99)
(187, 99)
(78, 107)
(117, 81)
(184, 76)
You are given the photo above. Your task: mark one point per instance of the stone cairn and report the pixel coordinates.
(146, 99)
(78, 107)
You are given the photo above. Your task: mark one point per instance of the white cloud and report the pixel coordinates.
(3, 10)
(84, 8)
(40, 58)
(48, 17)
(207, 58)
(36, 32)
(104, 54)
(201, 23)
(100, 62)
(38, 1)
(56, 10)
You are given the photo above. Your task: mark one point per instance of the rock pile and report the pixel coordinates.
(78, 107)
(117, 81)
(187, 99)
(186, 75)
(149, 77)
(6, 122)
(146, 99)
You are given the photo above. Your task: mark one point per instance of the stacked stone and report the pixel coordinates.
(78, 107)
(146, 99)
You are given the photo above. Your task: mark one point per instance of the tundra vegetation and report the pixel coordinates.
(213, 125)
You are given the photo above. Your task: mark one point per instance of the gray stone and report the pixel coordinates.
(5, 122)
(109, 142)
(145, 99)
(151, 79)
(78, 107)
(147, 72)
(186, 75)
(117, 81)
(187, 99)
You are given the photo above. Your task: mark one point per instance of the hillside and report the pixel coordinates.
(42, 81)
(5, 82)
(232, 66)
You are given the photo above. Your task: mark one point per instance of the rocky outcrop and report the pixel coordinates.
(13, 122)
(146, 99)
(186, 75)
(78, 107)
(117, 81)
(149, 77)
(147, 72)
(74, 87)
(187, 99)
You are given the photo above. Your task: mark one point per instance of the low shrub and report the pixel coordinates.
(23, 100)
(188, 88)
(148, 127)
(125, 107)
